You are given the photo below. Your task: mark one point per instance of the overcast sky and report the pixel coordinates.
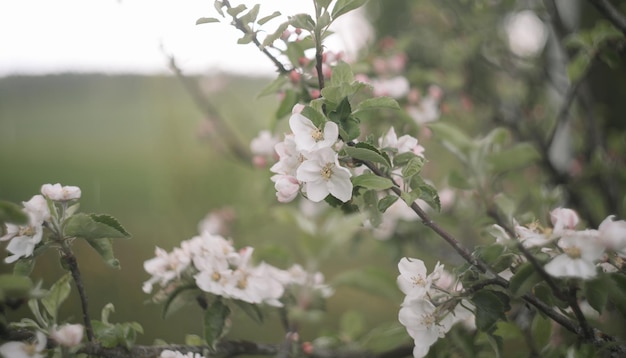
(50, 36)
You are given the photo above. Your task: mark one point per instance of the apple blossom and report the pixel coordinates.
(322, 175)
(176, 354)
(404, 144)
(413, 279)
(289, 156)
(310, 138)
(613, 234)
(68, 335)
(581, 249)
(424, 323)
(57, 192)
(395, 87)
(25, 350)
(287, 187)
(563, 219)
(24, 238)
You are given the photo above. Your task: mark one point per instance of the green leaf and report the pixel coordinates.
(215, 322)
(265, 19)
(104, 247)
(541, 330)
(524, 279)
(386, 202)
(24, 267)
(372, 181)
(234, 11)
(194, 340)
(403, 158)
(410, 196)
(56, 296)
(367, 152)
(33, 304)
(490, 308)
(342, 7)
(273, 87)
(597, 292)
(251, 310)
(94, 227)
(490, 253)
(218, 6)
(578, 66)
(12, 213)
(303, 21)
(516, 157)
(459, 181)
(206, 20)
(246, 38)
(372, 280)
(323, 21)
(316, 117)
(323, 3)
(275, 35)
(617, 291)
(179, 298)
(376, 103)
(342, 73)
(286, 105)
(251, 15)
(413, 167)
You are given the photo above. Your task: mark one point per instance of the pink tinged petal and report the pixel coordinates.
(316, 191)
(563, 218)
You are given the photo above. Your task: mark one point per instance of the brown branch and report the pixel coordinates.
(70, 260)
(611, 13)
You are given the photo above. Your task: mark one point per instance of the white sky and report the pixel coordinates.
(121, 36)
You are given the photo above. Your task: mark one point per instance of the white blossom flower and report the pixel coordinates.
(310, 138)
(580, 251)
(287, 187)
(424, 323)
(25, 350)
(68, 335)
(263, 143)
(395, 87)
(165, 267)
(404, 144)
(563, 219)
(531, 237)
(57, 192)
(526, 33)
(176, 354)
(289, 156)
(613, 234)
(413, 279)
(323, 175)
(24, 238)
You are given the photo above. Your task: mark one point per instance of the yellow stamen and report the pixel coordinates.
(573, 252)
(317, 134)
(327, 171)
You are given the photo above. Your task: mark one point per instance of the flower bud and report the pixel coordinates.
(68, 335)
(57, 192)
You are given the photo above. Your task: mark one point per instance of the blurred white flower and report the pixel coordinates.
(563, 219)
(414, 280)
(613, 234)
(68, 335)
(581, 249)
(25, 350)
(176, 354)
(526, 33)
(322, 175)
(24, 238)
(57, 192)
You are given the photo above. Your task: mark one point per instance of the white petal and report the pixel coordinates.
(316, 191)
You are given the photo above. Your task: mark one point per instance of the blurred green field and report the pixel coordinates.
(131, 144)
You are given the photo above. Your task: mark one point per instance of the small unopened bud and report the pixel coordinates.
(68, 335)
(294, 77)
(307, 348)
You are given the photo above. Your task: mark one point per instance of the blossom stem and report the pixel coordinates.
(70, 260)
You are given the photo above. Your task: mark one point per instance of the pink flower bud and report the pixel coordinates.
(57, 192)
(68, 335)
(294, 77)
(563, 218)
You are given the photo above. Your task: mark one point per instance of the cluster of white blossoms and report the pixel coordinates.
(430, 307)
(308, 161)
(212, 262)
(176, 354)
(575, 253)
(24, 238)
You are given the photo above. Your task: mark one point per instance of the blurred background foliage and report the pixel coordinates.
(137, 147)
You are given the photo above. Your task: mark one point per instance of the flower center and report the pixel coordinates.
(573, 252)
(317, 134)
(27, 231)
(428, 320)
(242, 284)
(216, 276)
(327, 171)
(418, 281)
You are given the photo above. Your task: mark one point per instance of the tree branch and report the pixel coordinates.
(70, 260)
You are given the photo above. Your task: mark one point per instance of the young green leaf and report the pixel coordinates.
(490, 308)
(376, 103)
(215, 321)
(386, 202)
(57, 294)
(524, 279)
(179, 298)
(367, 152)
(251, 310)
(94, 226)
(206, 20)
(251, 15)
(104, 247)
(234, 11)
(342, 7)
(372, 181)
(342, 74)
(275, 35)
(303, 21)
(265, 19)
